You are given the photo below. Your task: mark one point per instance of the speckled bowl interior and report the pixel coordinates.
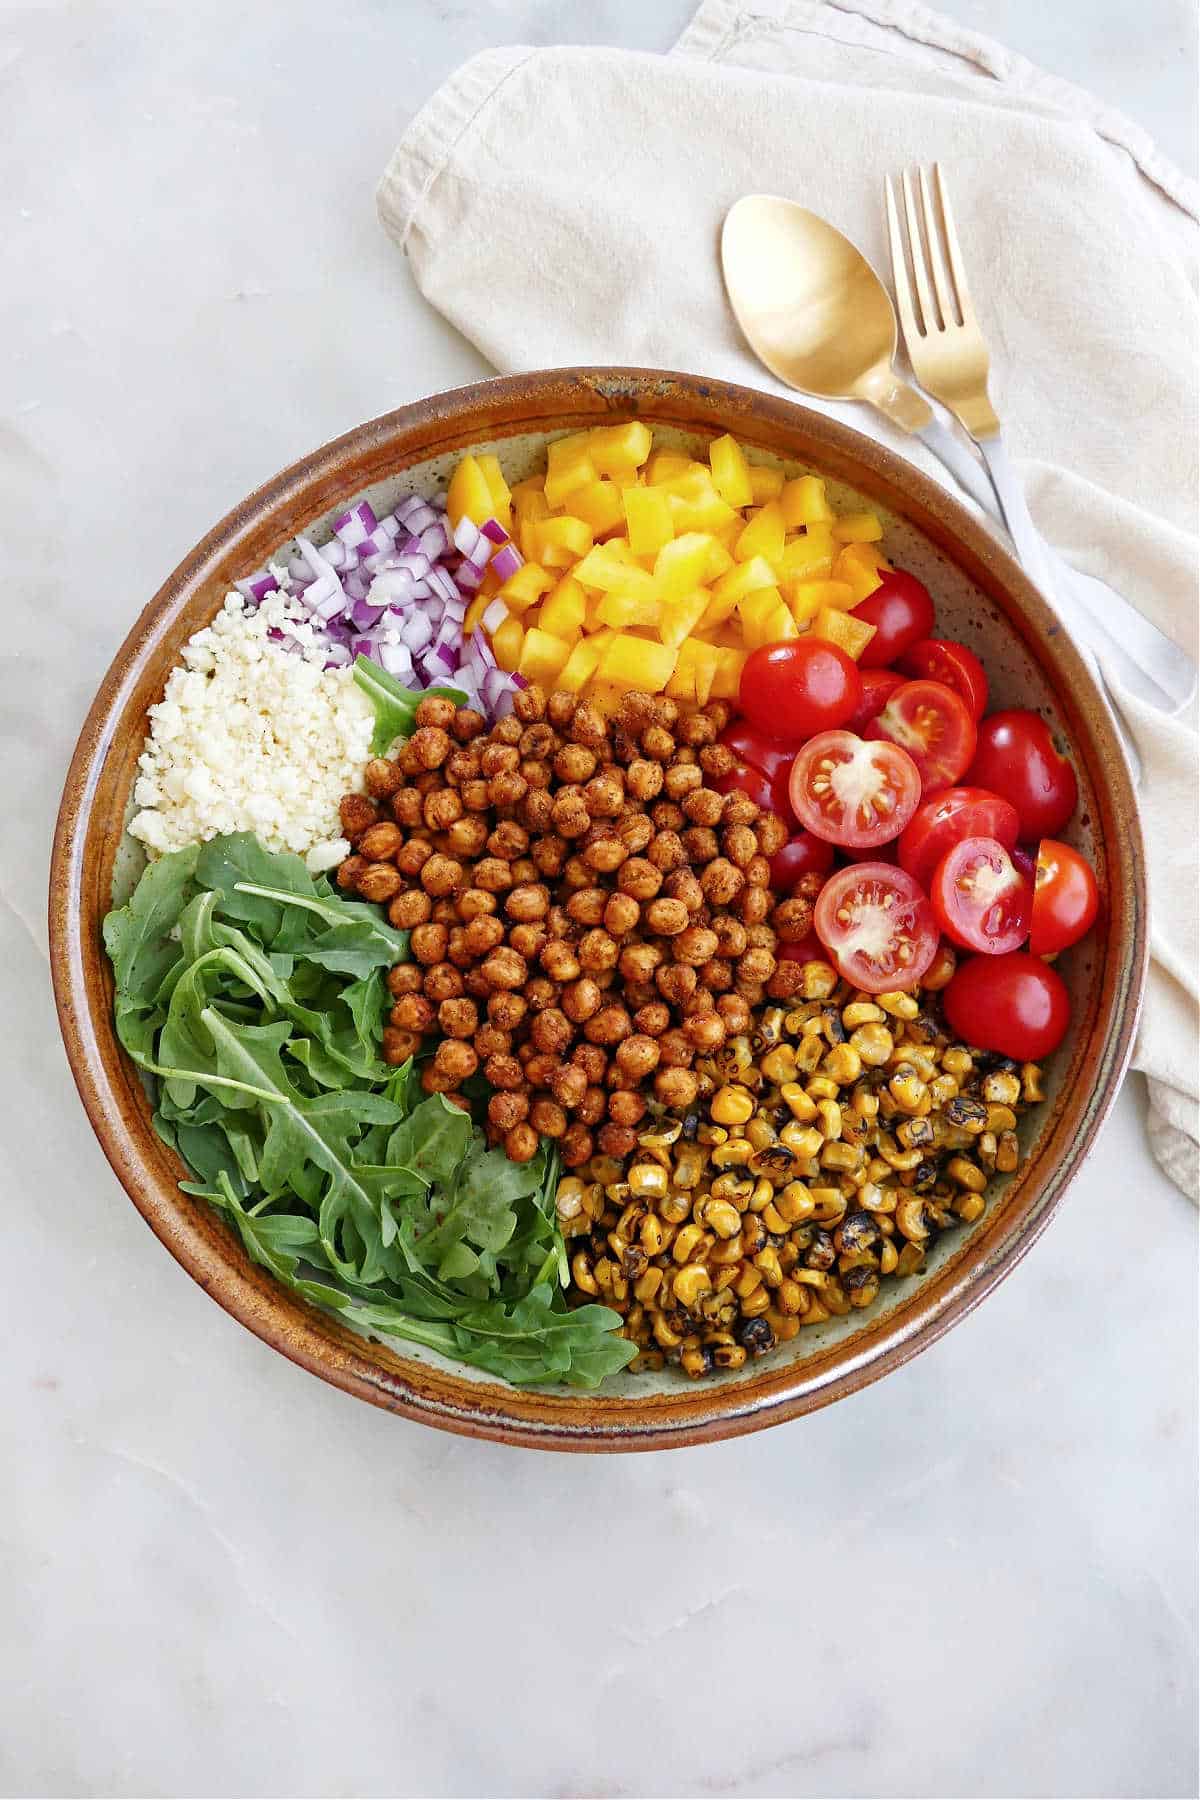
(981, 599)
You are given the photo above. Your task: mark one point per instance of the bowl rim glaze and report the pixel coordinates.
(89, 830)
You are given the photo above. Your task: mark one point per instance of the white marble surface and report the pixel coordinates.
(218, 1576)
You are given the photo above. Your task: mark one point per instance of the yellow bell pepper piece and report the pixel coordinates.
(743, 578)
(765, 484)
(526, 586)
(779, 625)
(622, 610)
(582, 664)
(843, 629)
(707, 662)
(560, 542)
(632, 662)
(809, 557)
(681, 617)
(568, 466)
(717, 611)
(730, 472)
(804, 503)
(507, 640)
(606, 697)
(667, 465)
(599, 505)
(857, 528)
(617, 448)
(720, 561)
(857, 571)
(501, 493)
(563, 610)
(682, 564)
(763, 536)
(648, 516)
(604, 567)
(542, 656)
(469, 495)
(755, 611)
(806, 598)
(726, 676)
(696, 505)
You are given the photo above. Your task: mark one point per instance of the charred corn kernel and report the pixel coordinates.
(829, 1205)
(605, 1170)
(569, 1198)
(822, 1087)
(769, 1030)
(748, 1282)
(829, 1114)
(958, 1062)
(899, 1005)
(907, 1089)
(725, 1252)
(791, 1298)
(794, 1202)
(865, 1105)
(646, 1360)
(785, 1328)
(818, 981)
(922, 1060)
(753, 1234)
(695, 1362)
(732, 1105)
(802, 1140)
(729, 1356)
(970, 1207)
(581, 1274)
(756, 1303)
(841, 1156)
(689, 1167)
(760, 1132)
(767, 1262)
(910, 1259)
(1031, 1083)
(690, 1283)
(737, 1188)
(773, 1219)
(986, 1147)
(653, 1235)
(734, 1154)
(942, 1089)
(603, 1271)
(675, 1208)
(888, 1257)
(727, 1272)
(1007, 1152)
(913, 1132)
(688, 1240)
(834, 1298)
(1001, 1118)
(843, 1064)
(779, 1065)
(862, 1012)
(865, 1290)
(874, 1044)
(1002, 1088)
(646, 1287)
(664, 1334)
(648, 1180)
(720, 1216)
(809, 1052)
(801, 1106)
(631, 1219)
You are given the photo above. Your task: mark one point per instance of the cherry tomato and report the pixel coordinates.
(934, 726)
(854, 793)
(796, 688)
(1014, 1005)
(801, 855)
(878, 853)
(766, 754)
(1024, 858)
(770, 795)
(878, 927)
(981, 902)
(901, 612)
(877, 684)
(944, 819)
(1065, 898)
(951, 663)
(1016, 757)
(809, 949)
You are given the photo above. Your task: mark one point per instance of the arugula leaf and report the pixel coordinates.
(136, 936)
(395, 706)
(358, 939)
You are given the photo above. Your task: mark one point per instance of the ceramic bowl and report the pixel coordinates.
(982, 597)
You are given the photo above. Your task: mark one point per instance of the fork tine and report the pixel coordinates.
(900, 280)
(933, 238)
(958, 268)
(929, 319)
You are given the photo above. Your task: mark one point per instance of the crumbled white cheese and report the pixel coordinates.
(251, 737)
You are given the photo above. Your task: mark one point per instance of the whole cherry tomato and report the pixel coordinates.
(767, 794)
(951, 663)
(944, 819)
(877, 686)
(1024, 858)
(932, 723)
(1066, 898)
(901, 612)
(1015, 1005)
(980, 901)
(878, 927)
(809, 949)
(803, 854)
(1016, 757)
(766, 754)
(853, 793)
(794, 689)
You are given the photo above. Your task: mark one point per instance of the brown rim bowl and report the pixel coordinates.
(1031, 662)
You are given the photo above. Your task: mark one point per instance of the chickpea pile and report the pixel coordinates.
(589, 917)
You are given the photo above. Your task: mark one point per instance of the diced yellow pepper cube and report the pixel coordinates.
(697, 506)
(843, 629)
(648, 516)
(507, 640)
(681, 617)
(622, 610)
(763, 536)
(632, 662)
(606, 697)
(857, 528)
(727, 675)
(717, 611)
(603, 567)
(582, 664)
(707, 662)
(754, 611)
(501, 493)
(525, 586)
(474, 614)
(809, 557)
(804, 503)
(469, 495)
(563, 610)
(542, 656)
(615, 448)
(568, 466)
(591, 616)
(599, 503)
(666, 465)
(720, 560)
(743, 578)
(561, 542)
(806, 598)
(779, 625)
(529, 502)
(682, 564)
(857, 571)
(765, 484)
(730, 471)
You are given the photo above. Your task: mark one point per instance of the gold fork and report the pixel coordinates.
(949, 356)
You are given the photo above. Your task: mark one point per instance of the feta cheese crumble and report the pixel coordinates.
(251, 737)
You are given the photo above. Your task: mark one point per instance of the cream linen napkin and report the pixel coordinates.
(563, 206)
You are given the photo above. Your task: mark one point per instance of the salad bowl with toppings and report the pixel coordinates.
(598, 910)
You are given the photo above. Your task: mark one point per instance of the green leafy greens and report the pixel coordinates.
(254, 996)
(395, 706)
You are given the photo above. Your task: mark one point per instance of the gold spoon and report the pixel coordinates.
(814, 311)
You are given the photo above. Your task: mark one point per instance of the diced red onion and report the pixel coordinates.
(396, 659)
(435, 540)
(365, 616)
(256, 587)
(337, 656)
(494, 616)
(468, 577)
(493, 529)
(507, 561)
(355, 524)
(468, 538)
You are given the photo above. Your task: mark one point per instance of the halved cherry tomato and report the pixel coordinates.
(1065, 898)
(980, 900)
(803, 854)
(944, 819)
(945, 660)
(1014, 1005)
(798, 687)
(877, 685)
(901, 612)
(769, 794)
(1016, 757)
(1024, 858)
(850, 792)
(934, 726)
(877, 853)
(809, 949)
(878, 927)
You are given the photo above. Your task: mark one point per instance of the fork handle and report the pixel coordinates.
(964, 467)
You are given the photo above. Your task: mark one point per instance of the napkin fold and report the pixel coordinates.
(563, 206)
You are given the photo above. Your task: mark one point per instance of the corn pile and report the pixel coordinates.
(828, 1146)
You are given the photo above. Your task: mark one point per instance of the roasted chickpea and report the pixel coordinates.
(705, 1032)
(559, 961)
(644, 779)
(475, 983)
(442, 809)
(398, 1046)
(540, 1067)
(682, 885)
(506, 1110)
(586, 905)
(413, 1012)
(528, 902)
(675, 1049)
(540, 993)
(570, 813)
(493, 875)
(604, 796)
(549, 854)
(721, 882)
(608, 1026)
(738, 809)
(467, 724)
(754, 904)
(436, 710)
(676, 1088)
(638, 994)
(771, 833)
(621, 915)
(592, 1059)
(382, 778)
(666, 917)
(657, 744)
(637, 1055)
(380, 842)
(474, 903)
(581, 999)
(489, 1040)
(498, 759)
(405, 978)
(703, 807)
(625, 1107)
(653, 1017)
(443, 982)
(665, 850)
(717, 974)
(461, 765)
(700, 845)
(617, 1140)
(509, 841)
(357, 814)
(695, 945)
(568, 1084)
(682, 779)
(504, 1072)
(429, 746)
(676, 983)
(638, 962)
(639, 878)
(349, 872)
(529, 940)
(588, 726)
(757, 965)
(547, 1116)
(696, 729)
(536, 810)
(504, 968)
(574, 764)
(507, 791)
(475, 795)
(552, 1031)
(521, 1143)
(635, 831)
(575, 1146)
(592, 1108)
(442, 876)
(560, 709)
(443, 911)
(506, 1010)
(537, 777)
(717, 760)
(666, 816)
(410, 909)
(407, 808)
(735, 1012)
(455, 1061)
(597, 951)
